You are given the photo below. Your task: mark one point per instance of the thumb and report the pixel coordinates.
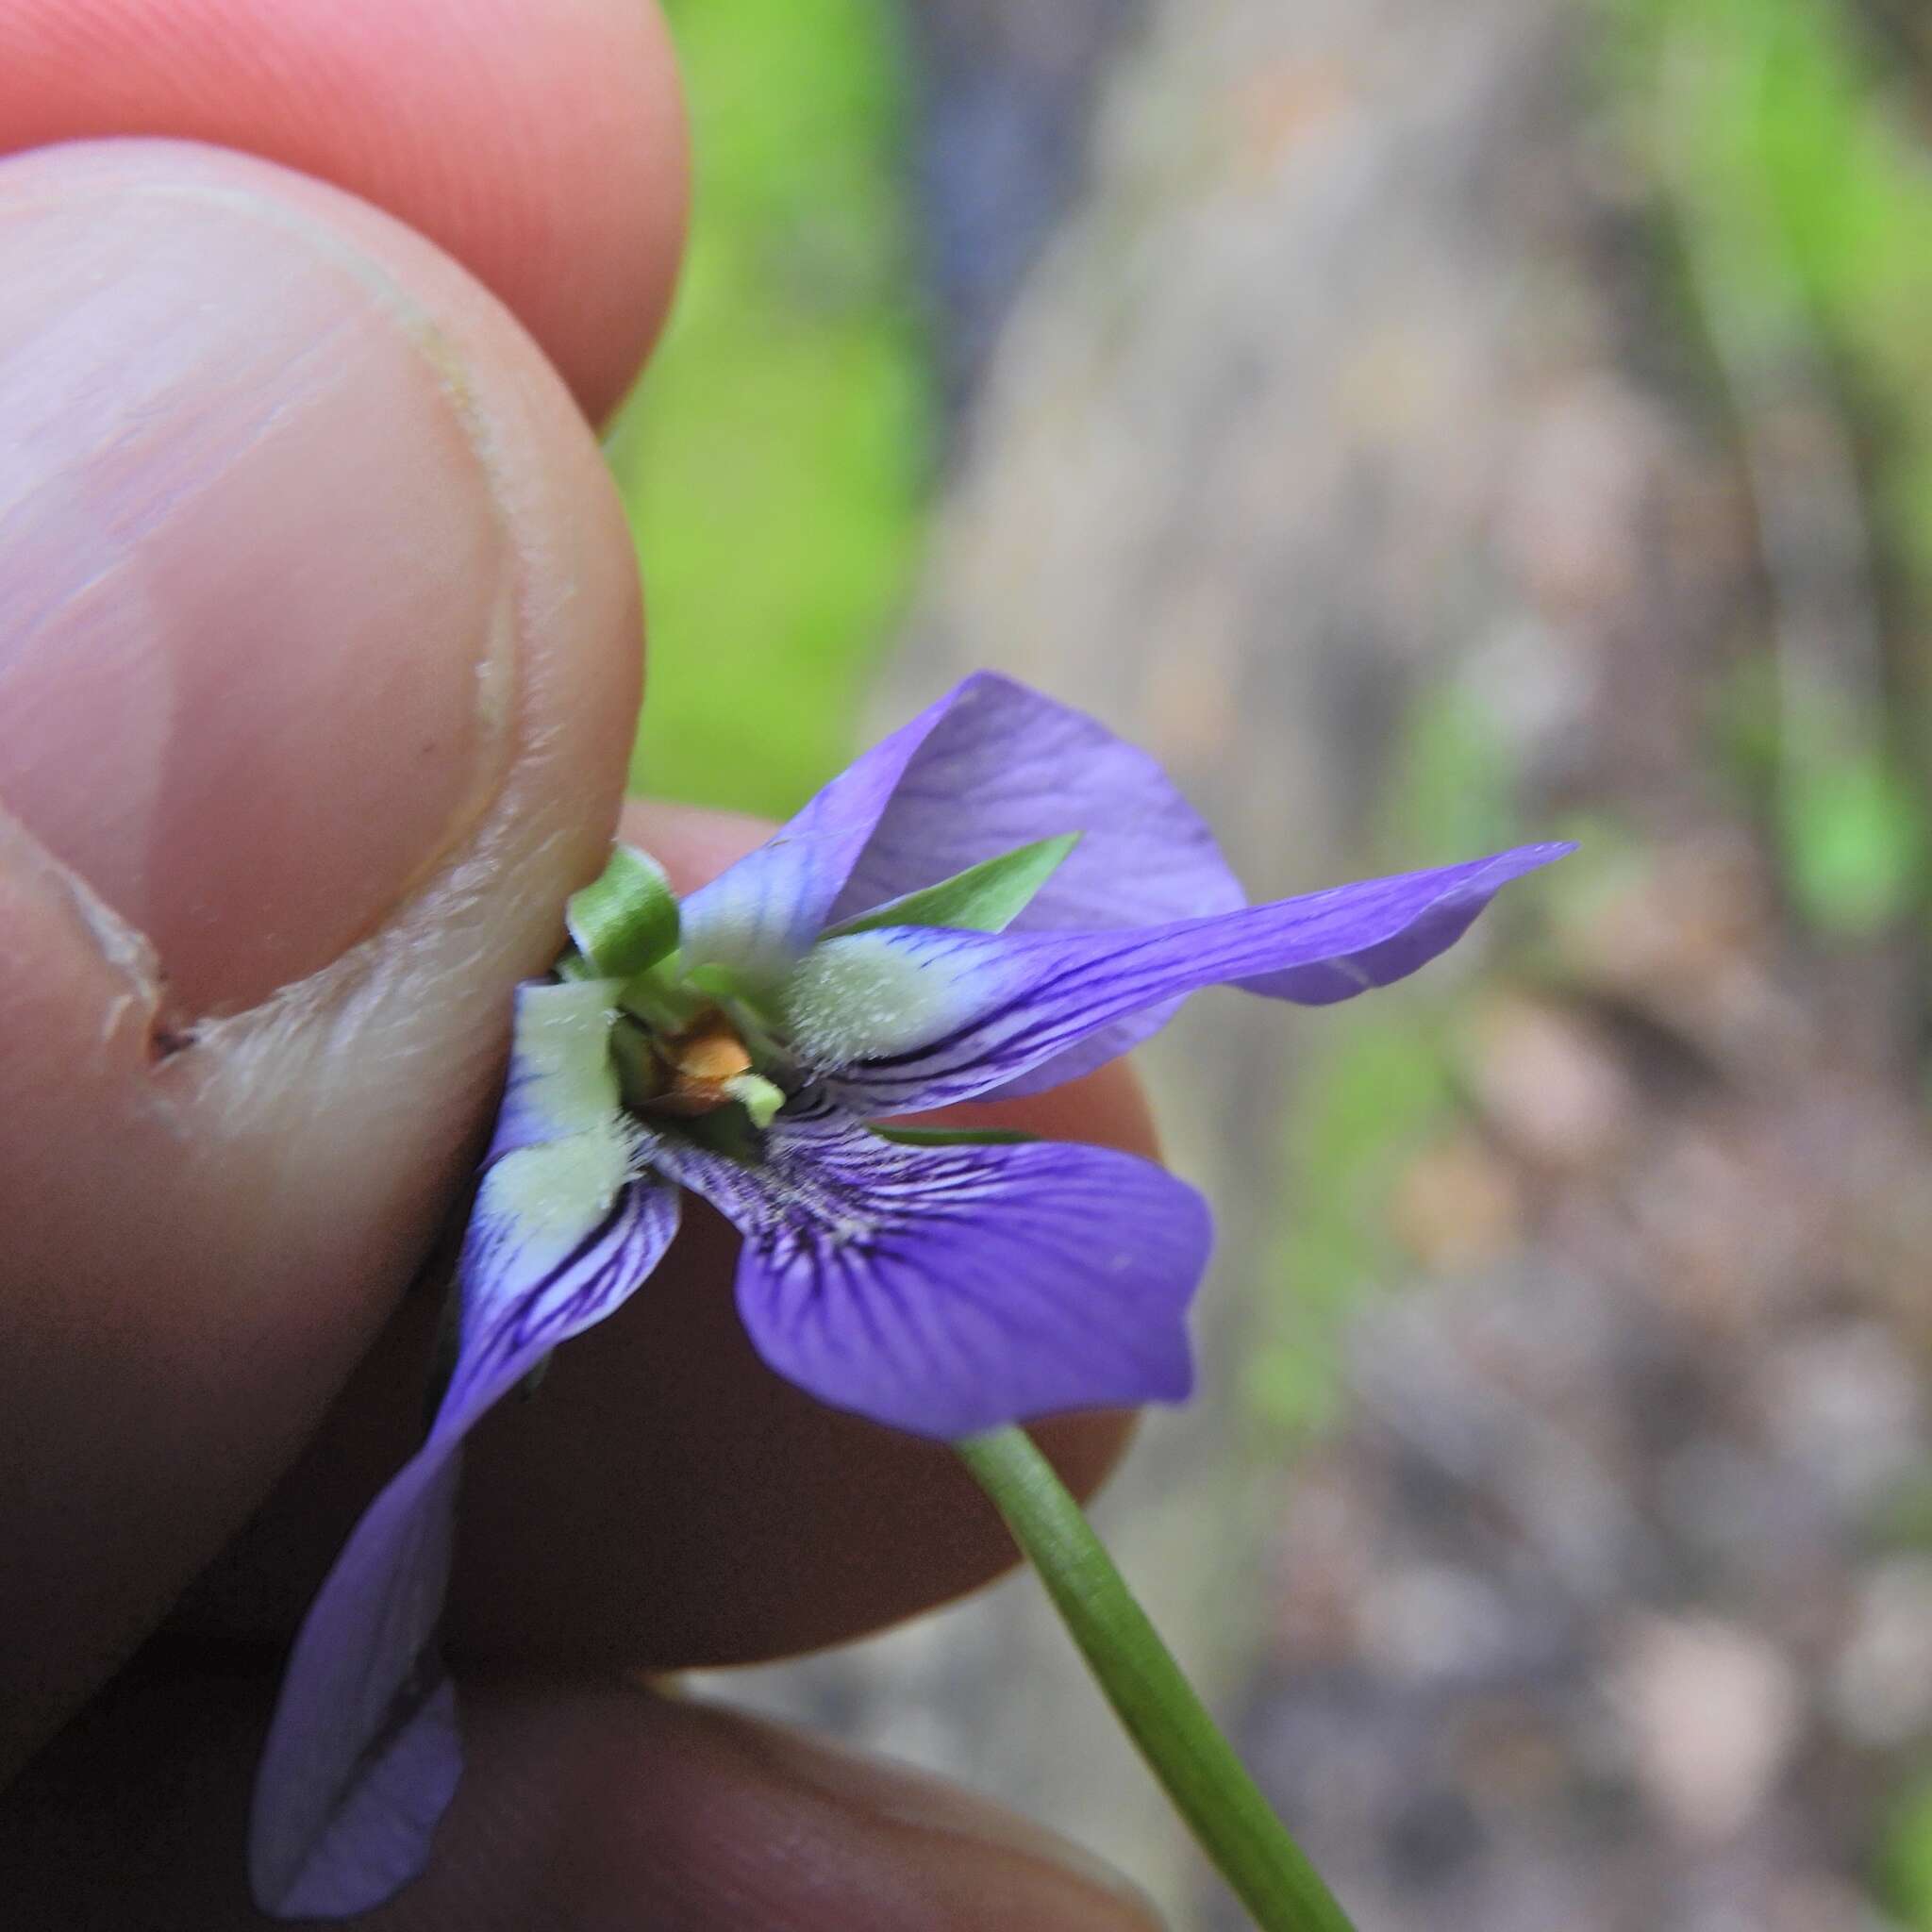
(318, 667)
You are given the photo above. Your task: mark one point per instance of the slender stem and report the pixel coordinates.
(1230, 1819)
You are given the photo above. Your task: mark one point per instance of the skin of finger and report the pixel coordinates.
(665, 1500)
(580, 1809)
(217, 1232)
(542, 147)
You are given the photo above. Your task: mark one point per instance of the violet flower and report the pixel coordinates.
(741, 1044)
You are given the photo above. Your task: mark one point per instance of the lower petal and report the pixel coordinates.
(949, 1290)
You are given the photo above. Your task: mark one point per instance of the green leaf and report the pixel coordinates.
(628, 919)
(985, 897)
(954, 1137)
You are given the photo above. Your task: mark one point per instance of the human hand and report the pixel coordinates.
(318, 676)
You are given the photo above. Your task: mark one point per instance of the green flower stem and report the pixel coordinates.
(1230, 1819)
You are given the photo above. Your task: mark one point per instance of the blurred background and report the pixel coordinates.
(1424, 425)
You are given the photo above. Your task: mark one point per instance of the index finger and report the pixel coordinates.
(543, 147)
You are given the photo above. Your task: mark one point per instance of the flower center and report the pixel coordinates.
(693, 1070)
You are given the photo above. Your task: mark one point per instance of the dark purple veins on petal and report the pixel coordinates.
(949, 1289)
(1006, 1003)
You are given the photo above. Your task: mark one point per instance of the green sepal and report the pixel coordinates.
(733, 991)
(721, 982)
(953, 1137)
(985, 897)
(660, 1000)
(628, 920)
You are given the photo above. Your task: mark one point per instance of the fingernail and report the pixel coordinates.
(257, 596)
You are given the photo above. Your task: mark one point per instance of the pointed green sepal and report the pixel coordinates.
(987, 897)
(628, 920)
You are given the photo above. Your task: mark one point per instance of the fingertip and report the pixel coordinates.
(594, 1806)
(542, 147)
(298, 576)
(724, 1821)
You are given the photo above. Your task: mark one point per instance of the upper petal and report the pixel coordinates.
(362, 1757)
(990, 767)
(909, 1018)
(1004, 766)
(949, 1290)
(759, 916)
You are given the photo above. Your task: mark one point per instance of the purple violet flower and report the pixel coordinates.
(740, 1045)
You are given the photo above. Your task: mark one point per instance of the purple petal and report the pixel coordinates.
(759, 916)
(906, 1018)
(1004, 766)
(948, 1289)
(364, 1759)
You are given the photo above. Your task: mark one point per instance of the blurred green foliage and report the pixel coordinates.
(1789, 138)
(1782, 137)
(1904, 1858)
(1380, 1084)
(1854, 838)
(775, 457)
(1377, 1087)
(1454, 779)
(1783, 134)
(1850, 817)
(1806, 166)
